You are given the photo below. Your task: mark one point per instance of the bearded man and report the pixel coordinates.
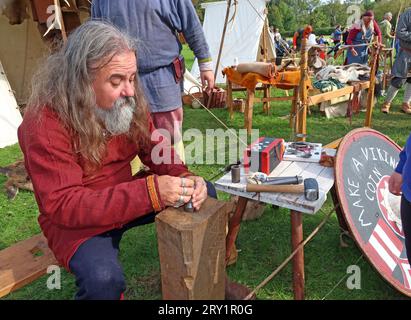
(86, 119)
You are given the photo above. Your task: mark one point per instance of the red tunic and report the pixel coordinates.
(75, 206)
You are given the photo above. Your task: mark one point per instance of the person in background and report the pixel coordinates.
(362, 33)
(156, 24)
(277, 35)
(336, 37)
(400, 185)
(298, 36)
(401, 67)
(323, 42)
(386, 30)
(345, 34)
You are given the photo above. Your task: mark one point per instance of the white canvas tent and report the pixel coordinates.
(10, 117)
(244, 35)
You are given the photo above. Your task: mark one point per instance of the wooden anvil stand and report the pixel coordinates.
(191, 248)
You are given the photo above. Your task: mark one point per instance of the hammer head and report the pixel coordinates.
(311, 189)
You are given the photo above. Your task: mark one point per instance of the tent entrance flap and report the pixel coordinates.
(244, 38)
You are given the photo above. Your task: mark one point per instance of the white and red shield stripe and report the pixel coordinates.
(386, 248)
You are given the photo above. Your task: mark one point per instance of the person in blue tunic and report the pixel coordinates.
(401, 67)
(155, 24)
(362, 32)
(400, 184)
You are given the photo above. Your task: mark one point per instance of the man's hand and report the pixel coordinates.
(175, 191)
(200, 192)
(207, 79)
(394, 183)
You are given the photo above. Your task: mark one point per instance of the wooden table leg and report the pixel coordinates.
(266, 103)
(293, 112)
(298, 260)
(230, 98)
(248, 113)
(234, 225)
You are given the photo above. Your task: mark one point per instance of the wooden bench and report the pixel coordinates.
(23, 263)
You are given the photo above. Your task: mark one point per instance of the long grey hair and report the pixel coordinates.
(64, 85)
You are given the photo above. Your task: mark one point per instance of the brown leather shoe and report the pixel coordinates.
(236, 291)
(406, 108)
(385, 108)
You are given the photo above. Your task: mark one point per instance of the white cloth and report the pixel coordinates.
(344, 74)
(311, 41)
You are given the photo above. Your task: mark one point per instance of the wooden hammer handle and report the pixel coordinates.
(292, 188)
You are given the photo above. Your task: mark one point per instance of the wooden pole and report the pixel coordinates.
(234, 226)
(248, 112)
(298, 259)
(266, 104)
(230, 98)
(220, 50)
(301, 115)
(294, 107)
(371, 89)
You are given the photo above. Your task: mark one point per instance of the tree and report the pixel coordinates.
(275, 18)
(336, 12)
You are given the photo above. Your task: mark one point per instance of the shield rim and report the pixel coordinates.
(347, 140)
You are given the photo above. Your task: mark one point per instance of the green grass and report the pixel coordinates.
(263, 243)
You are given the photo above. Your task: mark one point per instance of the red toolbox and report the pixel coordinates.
(264, 155)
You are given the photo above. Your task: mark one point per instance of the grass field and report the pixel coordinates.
(263, 244)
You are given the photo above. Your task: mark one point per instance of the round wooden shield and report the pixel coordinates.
(365, 160)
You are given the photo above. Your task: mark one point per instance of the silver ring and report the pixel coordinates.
(184, 191)
(179, 202)
(183, 182)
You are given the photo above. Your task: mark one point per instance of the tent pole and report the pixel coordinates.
(222, 38)
(266, 103)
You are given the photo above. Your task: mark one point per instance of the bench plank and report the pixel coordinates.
(23, 263)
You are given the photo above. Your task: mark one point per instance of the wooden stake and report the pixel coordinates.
(371, 89)
(301, 119)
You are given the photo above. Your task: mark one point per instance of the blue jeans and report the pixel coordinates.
(99, 275)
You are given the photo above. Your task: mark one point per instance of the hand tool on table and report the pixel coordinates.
(309, 188)
(262, 178)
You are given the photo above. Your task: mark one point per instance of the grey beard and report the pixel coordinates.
(117, 120)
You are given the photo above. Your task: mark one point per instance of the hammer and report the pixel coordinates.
(309, 188)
